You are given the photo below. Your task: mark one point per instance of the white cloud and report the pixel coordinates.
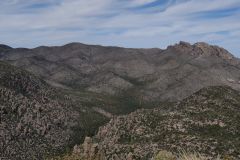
(140, 2)
(114, 22)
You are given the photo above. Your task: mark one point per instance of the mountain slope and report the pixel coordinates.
(147, 74)
(206, 122)
(37, 120)
(78, 88)
(4, 48)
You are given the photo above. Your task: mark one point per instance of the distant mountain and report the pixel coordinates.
(207, 122)
(4, 49)
(147, 74)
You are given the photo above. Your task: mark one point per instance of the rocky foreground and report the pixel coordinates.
(206, 122)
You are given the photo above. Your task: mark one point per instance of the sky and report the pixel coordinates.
(126, 23)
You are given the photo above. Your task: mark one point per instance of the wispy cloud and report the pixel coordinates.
(129, 23)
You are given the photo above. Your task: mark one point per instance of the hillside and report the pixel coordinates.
(53, 97)
(37, 120)
(146, 74)
(206, 122)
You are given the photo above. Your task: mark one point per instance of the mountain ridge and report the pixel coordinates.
(116, 70)
(81, 87)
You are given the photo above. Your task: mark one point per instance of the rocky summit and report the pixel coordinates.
(128, 103)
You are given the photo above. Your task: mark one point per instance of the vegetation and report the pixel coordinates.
(98, 84)
(203, 122)
(162, 155)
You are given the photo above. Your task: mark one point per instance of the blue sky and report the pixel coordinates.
(127, 23)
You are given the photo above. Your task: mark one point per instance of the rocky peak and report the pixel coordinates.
(201, 49)
(185, 44)
(205, 49)
(182, 47)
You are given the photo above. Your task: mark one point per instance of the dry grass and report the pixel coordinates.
(191, 156)
(165, 155)
(162, 155)
(68, 157)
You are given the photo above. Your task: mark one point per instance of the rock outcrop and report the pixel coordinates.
(89, 150)
(202, 49)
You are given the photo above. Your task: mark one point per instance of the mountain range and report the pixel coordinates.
(52, 97)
